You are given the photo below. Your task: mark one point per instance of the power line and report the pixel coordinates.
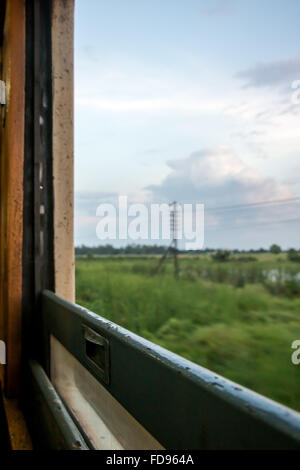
(273, 222)
(253, 204)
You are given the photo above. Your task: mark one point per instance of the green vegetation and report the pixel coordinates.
(237, 318)
(144, 250)
(275, 249)
(293, 255)
(221, 255)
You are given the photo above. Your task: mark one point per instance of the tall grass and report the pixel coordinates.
(238, 329)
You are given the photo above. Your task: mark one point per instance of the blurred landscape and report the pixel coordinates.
(234, 313)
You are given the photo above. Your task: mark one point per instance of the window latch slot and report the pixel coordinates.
(97, 351)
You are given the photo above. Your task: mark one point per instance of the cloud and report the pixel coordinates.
(276, 73)
(179, 102)
(86, 220)
(131, 87)
(151, 151)
(86, 202)
(219, 7)
(216, 177)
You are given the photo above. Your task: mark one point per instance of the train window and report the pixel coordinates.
(184, 330)
(188, 116)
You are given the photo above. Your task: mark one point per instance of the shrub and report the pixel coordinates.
(293, 255)
(221, 255)
(275, 249)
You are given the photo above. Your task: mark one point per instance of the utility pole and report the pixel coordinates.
(173, 248)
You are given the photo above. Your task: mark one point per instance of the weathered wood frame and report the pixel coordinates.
(25, 267)
(11, 189)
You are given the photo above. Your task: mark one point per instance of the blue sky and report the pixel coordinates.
(190, 100)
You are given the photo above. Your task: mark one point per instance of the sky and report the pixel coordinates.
(190, 101)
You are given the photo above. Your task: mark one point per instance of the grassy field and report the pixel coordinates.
(237, 318)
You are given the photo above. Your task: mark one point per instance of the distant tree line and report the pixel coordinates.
(127, 250)
(160, 249)
(131, 250)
